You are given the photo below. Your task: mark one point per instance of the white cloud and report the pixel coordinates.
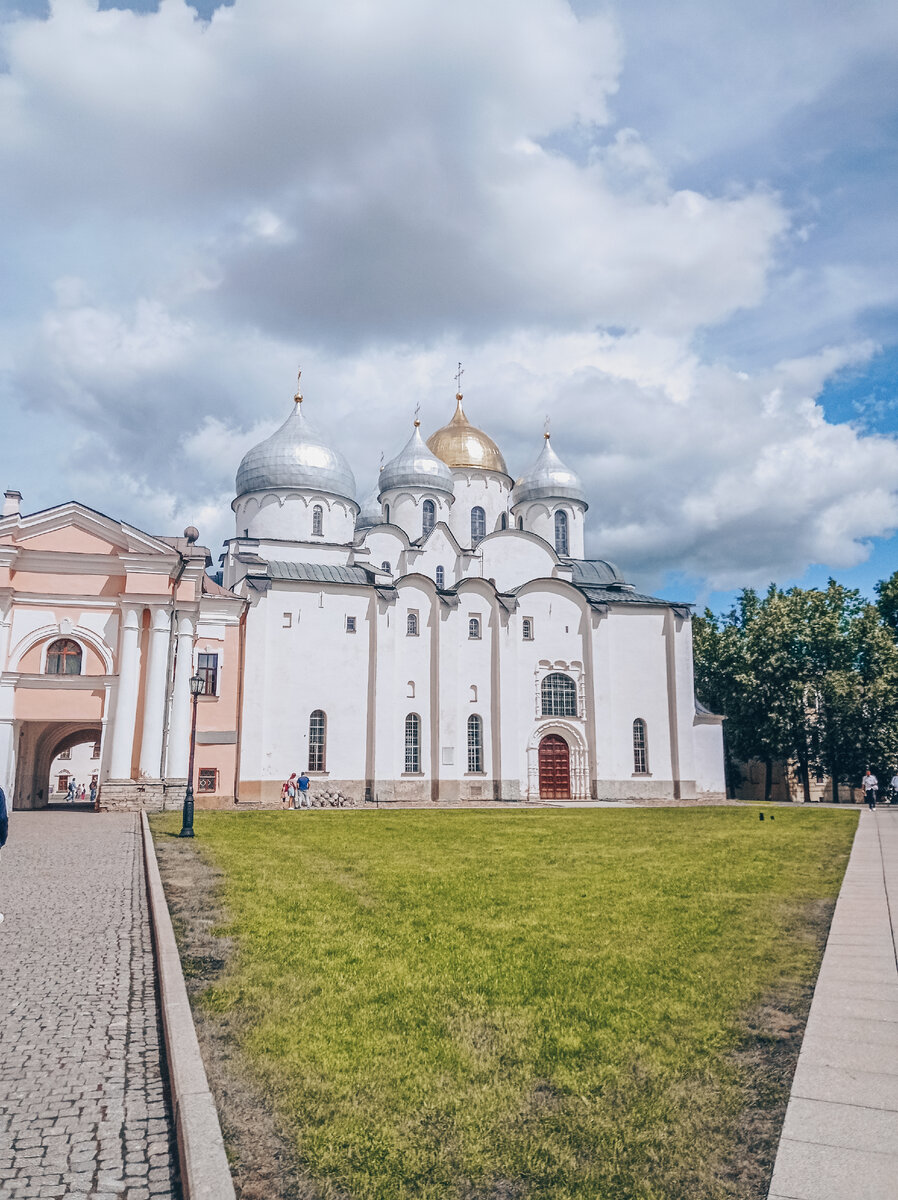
(191, 207)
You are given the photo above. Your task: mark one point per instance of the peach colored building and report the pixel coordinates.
(101, 627)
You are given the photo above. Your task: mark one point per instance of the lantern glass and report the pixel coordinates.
(197, 685)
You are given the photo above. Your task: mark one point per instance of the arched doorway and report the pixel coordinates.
(554, 768)
(39, 744)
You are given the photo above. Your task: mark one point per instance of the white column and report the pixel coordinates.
(126, 696)
(179, 723)
(154, 695)
(7, 702)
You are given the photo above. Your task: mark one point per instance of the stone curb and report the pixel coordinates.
(205, 1174)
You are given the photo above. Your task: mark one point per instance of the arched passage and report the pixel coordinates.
(39, 744)
(554, 768)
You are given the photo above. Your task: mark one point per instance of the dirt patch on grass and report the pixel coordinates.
(765, 1061)
(263, 1158)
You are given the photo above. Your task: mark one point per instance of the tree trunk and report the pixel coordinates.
(805, 776)
(834, 775)
(768, 779)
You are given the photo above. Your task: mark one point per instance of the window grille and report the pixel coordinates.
(64, 658)
(474, 627)
(350, 624)
(561, 539)
(475, 744)
(317, 740)
(527, 629)
(428, 517)
(478, 524)
(640, 748)
(317, 520)
(559, 696)
(207, 669)
(385, 566)
(441, 577)
(207, 780)
(412, 744)
(411, 625)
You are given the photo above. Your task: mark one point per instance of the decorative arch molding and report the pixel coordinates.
(576, 741)
(308, 499)
(61, 629)
(574, 669)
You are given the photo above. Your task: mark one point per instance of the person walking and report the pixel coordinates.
(304, 781)
(4, 825)
(70, 794)
(870, 785)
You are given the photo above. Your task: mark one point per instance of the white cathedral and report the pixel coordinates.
(449, 640)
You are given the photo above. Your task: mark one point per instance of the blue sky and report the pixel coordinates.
(672, 229)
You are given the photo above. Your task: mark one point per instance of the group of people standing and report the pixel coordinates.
(80, 794)
(870, 785)
(295, 792)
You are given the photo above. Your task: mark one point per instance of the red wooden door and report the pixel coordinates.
(554, 768)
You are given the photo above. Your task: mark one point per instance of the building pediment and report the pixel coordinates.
(75, 529)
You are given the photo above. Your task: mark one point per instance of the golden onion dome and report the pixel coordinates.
(459, 444)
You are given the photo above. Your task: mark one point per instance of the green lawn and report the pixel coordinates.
(504, 1004)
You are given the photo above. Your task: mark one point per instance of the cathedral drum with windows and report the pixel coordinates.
(448, 639)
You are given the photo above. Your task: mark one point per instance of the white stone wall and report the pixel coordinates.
(288, 515)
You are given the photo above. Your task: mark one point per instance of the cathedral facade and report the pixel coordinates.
(444, 640)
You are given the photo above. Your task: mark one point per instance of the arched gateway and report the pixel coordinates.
(554, 768)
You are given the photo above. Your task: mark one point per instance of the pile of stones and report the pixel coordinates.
(331, 798)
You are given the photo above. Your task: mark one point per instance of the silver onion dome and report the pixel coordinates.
(548, 479)
(370, 513)
(416, 466)
(296, 456)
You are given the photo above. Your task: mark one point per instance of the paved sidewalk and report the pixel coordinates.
(83, 1106)
(840, 1136)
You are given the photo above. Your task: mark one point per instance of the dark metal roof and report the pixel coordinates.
(593, 572)
(318, 573)
(597, 595)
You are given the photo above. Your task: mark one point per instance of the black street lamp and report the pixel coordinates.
(197, 687)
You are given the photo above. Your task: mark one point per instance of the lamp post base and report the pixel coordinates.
(187, 815)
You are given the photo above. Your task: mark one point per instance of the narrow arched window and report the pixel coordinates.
(527, 629)
(503, 521)
(428, 517)
(64, 658)
(317, 520)
(317, 740)
(412, 744)
(474, 627)
(385, 566)
(478, 524)
(640, 748)
(441, 577)
(475, 744)
(520, 522)
(387, 513)
(561, 539)
(411, 625)
(559, 696)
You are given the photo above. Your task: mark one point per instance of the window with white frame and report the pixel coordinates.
(559, 695)
(317, 740)
(411, 625)
(475, 744)
(474, 628)
(317, 520)
(527, 629)
(561, 538)
(478, 524)
(412, 744)
(64, 657)
(640, 748)
(428, 517)
(207, 669)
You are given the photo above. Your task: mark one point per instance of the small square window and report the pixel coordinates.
(350, 624)
(207, 780)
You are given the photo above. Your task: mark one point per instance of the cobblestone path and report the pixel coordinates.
(83, 1107)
